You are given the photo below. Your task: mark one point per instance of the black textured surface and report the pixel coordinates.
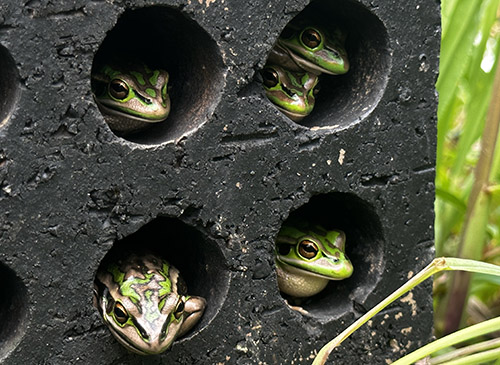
(213, 185)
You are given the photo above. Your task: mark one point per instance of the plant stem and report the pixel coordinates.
(472, 238)
(437, 265)
(467, 350)
(479, 358)
(454, 338)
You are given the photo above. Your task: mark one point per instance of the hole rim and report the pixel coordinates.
(197, 75)
(346, 100)
(10, 90)
(341, 296)
(13, 311)
(209, 264)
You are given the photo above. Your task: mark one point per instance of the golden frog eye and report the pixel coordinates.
(270, 76)
(120, 313)
(179, 310)
(311, 38)
(308, 249)
(118, 89)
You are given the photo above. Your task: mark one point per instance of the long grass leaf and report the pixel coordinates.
(437, 265)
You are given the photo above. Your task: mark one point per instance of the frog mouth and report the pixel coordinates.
(312, 67)
(126, 343)
(295, 116)
(287, 266)
(111, 110)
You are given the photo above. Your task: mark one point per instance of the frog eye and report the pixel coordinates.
(179, 310)
(308, 249)
(271, 77)
(311, 38)
(118, 89)
(120, 313)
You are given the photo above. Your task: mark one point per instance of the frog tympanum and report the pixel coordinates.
(143, 301)
(132, 96)
(308, 257)
(302, 53)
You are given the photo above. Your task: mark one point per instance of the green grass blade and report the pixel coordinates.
(437, 265)
(465, 334)
(465, 351)
(476, 359)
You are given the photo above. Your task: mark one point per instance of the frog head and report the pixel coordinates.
(315, 50)
(132, 91)
(293, 93)
(141, 300)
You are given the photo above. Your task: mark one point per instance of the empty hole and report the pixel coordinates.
(346, 99)
(9, 88)
(12, 310)
(197, 258)
(364, 247)
(162, 37)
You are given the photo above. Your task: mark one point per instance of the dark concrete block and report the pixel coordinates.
(212, 185)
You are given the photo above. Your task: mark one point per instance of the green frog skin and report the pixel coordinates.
(310, 49)
(131, 97)
(143, 301)
(293, 93)
(308, 258)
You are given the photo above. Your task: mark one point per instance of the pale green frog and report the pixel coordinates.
(293, 93)
(131, 97)
(307, 258)
(143, 301)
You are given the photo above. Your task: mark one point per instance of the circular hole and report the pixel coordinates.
(348, 98)
(163, 38)
(364, 247)
(197, 258)
(9, 90)
(12, 310)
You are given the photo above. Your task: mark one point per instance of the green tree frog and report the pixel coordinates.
(307, 258)
(291, 92)
(143, 301)
(311, 49)
(300, 55)
(131, 97)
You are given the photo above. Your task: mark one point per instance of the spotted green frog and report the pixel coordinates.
(143, 301)
(293, 93)
(307, 258)
(131, 97)
(311, 49)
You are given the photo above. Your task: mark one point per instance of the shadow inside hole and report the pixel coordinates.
(164, 38)
(345, 99)
(9, 87)
(197, 258)
(364, 247)
(12, 310)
